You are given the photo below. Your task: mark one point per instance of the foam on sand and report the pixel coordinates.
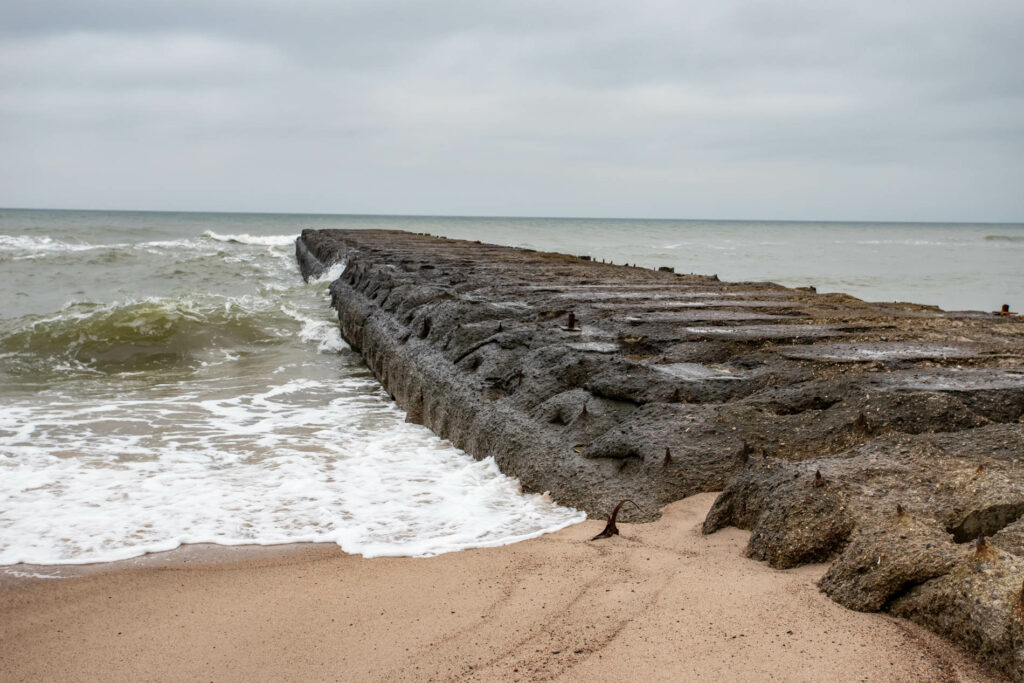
(301, 461)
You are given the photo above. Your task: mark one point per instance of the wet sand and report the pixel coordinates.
(659, 602)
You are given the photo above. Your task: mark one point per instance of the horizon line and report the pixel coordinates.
(519, 217)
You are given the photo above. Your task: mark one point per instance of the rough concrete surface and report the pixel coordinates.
(886, 437)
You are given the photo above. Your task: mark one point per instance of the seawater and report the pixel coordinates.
(168, 378)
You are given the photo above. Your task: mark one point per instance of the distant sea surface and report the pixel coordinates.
(168, 378)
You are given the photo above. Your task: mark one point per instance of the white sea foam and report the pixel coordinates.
(32, 247)
(189, 245)
(17, 573)
(332, 273)
(324, 333)
(905, 242)
(27, 247)
(303, 460)
(255, 240)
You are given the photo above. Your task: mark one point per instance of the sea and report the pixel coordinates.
(169, 379)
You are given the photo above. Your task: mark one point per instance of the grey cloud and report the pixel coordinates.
(731, 109)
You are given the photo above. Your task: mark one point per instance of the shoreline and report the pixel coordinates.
(884, 438)
(660, 602)
(184, 556)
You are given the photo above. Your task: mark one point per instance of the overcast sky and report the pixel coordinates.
(780, 109)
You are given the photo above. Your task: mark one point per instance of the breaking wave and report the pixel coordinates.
(255, 240)
(18, 247)
(139, 335)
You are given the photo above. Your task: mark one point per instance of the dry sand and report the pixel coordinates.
(659, 602)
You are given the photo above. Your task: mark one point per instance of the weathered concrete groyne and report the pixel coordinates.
(886, 437)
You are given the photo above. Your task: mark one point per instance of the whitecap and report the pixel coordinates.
(255, 240)
(37, 247)
(324, 333)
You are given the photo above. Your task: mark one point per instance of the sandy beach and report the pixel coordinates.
(659, 602)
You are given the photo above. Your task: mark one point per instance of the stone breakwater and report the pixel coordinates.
(885, 438)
